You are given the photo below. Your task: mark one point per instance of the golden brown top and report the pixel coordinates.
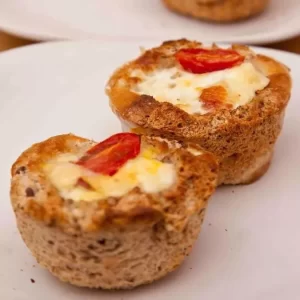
(146, 112)
(32, 192)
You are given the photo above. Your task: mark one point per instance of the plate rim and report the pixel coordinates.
(62, 43)
(257, 38)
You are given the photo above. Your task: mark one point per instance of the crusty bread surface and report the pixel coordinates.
(218, 10)
(115, 243)
(238, 137)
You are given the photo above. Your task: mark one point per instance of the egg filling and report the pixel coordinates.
(199, 93)
(145, 171)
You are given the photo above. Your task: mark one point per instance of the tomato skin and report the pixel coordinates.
(84, 184)
(110, 155)
(201, 61)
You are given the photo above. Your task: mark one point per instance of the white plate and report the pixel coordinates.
(249, 247)
(139, 19)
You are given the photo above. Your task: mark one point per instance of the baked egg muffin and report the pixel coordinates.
(229, 101)
(112, 215)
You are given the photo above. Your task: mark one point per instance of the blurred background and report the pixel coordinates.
(270, 23)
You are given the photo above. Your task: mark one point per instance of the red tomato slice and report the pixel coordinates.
(110, 155)
(200, 61)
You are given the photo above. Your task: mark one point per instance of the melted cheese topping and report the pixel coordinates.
(145, 172)
(184, 89)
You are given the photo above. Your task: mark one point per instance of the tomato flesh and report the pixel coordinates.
(201, 61)
(84, 184)
(109, 156)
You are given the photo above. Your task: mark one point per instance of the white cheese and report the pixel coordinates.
(145, 172)
(183, 89)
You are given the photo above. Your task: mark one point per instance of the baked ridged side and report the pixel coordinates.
(116, 258)
(252, 161)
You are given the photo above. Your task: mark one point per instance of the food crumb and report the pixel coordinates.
(29, 192)
(21, 270)
(232, 192)
(226, 230)
(32, 280)
(209, 224)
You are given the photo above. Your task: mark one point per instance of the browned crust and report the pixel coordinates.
(196, 179)
(146, 112)
(117, 258)
(218, 10)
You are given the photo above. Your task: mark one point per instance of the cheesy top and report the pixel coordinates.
(197, 93)
(145, 171)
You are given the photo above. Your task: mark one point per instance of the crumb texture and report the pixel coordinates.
(114, 259)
